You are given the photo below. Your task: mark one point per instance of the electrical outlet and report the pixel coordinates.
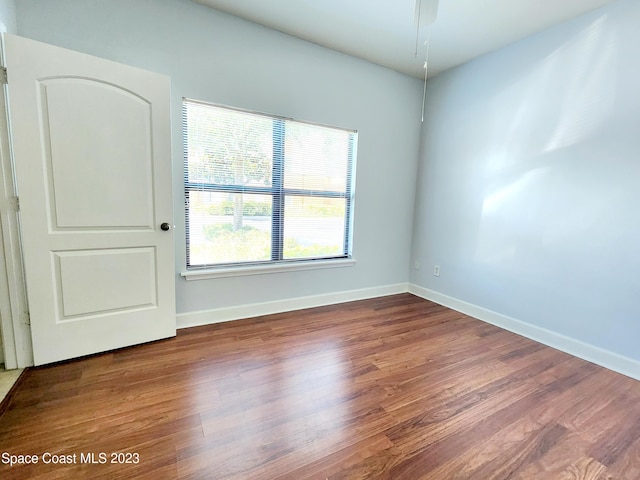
(416, 265)
(436, 270)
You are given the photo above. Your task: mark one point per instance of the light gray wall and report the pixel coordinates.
(219, 58)
(529, 183)
(8, 16)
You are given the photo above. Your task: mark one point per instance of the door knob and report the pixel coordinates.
(165, 227)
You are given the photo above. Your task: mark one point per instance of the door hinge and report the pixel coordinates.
(15, 203)
(26, 318)
(3, 75)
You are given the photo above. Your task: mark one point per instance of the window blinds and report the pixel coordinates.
(261, 188)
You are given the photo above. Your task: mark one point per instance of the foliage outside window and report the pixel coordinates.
(262, 189)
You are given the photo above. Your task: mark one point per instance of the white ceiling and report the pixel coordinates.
(384, 31)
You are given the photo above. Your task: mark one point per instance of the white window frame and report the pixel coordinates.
(279, 193)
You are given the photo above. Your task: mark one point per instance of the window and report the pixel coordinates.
(264, 189)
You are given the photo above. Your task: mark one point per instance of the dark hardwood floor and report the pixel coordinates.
(390, 388)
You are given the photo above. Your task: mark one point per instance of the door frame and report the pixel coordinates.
(16, 331)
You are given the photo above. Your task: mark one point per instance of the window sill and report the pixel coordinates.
(210, 273)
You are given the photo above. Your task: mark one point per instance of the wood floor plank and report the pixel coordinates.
(392, 388)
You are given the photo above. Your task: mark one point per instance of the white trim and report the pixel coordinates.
(226, 314)
(16, 333)
(241, 271)
(605, 358)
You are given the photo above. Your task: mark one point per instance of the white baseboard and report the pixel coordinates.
(605, 358)
(226, 314)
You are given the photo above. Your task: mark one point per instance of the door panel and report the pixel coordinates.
(80, 118)
(128, 274)
(92, 157)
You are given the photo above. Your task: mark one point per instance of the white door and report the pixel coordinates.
(91, 142)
